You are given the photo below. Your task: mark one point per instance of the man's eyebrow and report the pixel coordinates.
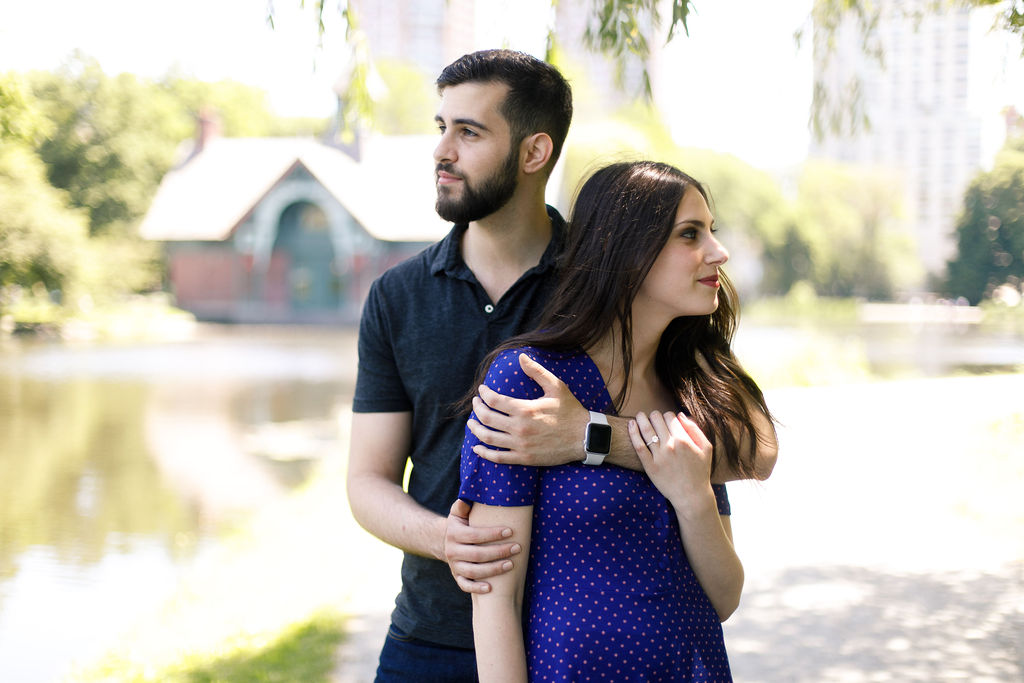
(463, 122)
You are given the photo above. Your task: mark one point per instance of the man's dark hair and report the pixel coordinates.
(539, 98)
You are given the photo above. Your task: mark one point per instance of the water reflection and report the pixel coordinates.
(119, 464)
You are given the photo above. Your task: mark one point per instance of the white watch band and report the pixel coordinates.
(591, 458)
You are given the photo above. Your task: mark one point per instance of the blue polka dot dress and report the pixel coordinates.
(610, 595)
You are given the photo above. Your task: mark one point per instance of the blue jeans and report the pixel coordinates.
(405, 659)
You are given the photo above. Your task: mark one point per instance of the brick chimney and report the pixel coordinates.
(208, 128)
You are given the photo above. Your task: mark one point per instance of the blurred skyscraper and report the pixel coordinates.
(928, 102)
(428, 33)
(433, 33)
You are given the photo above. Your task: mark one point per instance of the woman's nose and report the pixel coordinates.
(717, 253)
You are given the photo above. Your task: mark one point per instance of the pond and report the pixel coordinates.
(121, 464)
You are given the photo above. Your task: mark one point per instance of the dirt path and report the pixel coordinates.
(887, 546)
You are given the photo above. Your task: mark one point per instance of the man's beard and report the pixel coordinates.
(475, 204)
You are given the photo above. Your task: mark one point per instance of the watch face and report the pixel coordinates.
(599, 438)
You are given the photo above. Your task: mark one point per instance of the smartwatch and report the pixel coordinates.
(598, 440)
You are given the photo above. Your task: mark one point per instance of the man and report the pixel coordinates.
(426, 326)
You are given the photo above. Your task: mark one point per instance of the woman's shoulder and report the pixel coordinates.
(507, 375)
(538, 354)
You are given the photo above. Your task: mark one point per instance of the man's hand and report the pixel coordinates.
(476, 553)
(542, 432)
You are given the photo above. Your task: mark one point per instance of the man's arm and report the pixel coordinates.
(378, 451)
(542, 432)
(377, 456)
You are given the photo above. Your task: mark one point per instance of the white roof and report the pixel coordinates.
(390, 192)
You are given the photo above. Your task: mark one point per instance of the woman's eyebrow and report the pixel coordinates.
(695, 222)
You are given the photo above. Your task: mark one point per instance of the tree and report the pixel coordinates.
(990, 230)
(408, 92)
(111, 143)
(849, 219)
(39, 235)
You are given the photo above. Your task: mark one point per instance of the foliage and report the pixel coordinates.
(242, 110)
(849, 219)
(19, 120)
(39, 235)
(110, 144)
(408, 93)
(619, 28)
(1010, 17)
(990, 229)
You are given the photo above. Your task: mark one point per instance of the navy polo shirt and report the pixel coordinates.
(426, 326)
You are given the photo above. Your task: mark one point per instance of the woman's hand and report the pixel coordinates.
(676, 456)
(679, 464)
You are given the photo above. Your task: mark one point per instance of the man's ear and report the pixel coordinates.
(535, 151)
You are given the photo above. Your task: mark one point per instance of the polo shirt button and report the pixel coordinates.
(488, 308)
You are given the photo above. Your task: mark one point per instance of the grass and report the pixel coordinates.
(267, 604)
(301, 652)
(304, 652)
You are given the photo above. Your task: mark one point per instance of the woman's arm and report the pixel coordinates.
(498, 614)
(679, 465)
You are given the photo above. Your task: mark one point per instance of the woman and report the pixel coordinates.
(627, 575)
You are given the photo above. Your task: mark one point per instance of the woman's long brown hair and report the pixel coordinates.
(622, 217)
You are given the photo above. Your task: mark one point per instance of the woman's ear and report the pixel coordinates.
(536, 151)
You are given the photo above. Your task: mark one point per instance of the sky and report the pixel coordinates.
(737, 84)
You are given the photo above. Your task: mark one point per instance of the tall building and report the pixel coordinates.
(428, 33)
(926, 103)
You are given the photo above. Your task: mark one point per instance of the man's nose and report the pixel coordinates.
(444, 151)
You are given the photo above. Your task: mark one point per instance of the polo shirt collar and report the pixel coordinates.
(449, 257)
